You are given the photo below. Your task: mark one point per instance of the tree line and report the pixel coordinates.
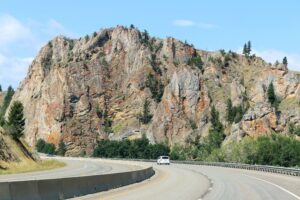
(138, 148)
(49, 148)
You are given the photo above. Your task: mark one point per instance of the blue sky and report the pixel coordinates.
(272, 26)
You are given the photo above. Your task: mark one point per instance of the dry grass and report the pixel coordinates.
(289, 103)
(31, 166)
(25, 163)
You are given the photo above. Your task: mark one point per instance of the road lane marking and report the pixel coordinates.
(283, 189)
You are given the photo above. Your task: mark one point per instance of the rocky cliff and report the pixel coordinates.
(92, 88)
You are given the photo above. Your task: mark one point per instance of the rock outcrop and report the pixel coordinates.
(92, 88)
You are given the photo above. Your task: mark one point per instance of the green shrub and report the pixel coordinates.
(138, 148)
(40, 145)
(99, 112)
(44, 147)
(16, 121)
(273, 99)
(265, 150)
(234, 113)
(155, 65)
(156, 87)
(145, 117)
(61, 148)
(195, 61)
(9, 94)
(192, 124)
(215, 121)
(285, 61)
(294, 130)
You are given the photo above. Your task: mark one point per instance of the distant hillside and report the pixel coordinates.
(121, 83)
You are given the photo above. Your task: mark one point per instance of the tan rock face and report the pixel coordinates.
(74, 87)
(185, 99)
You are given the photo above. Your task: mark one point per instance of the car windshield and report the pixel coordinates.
(165, 157)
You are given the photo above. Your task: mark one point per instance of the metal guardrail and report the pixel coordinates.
(263, 168)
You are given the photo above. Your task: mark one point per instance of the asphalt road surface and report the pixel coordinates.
(193, 182)
(177, 181)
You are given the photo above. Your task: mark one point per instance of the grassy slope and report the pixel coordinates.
(25, 163)
(289, 103)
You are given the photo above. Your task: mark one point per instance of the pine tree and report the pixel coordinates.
(61, 148)
(40, 145)
(16, 121)
(9, 94)
(284, 61)
(249, 48)
(156, 87)
(146, 116)
(216, 124)
(0, 88)
(229, 115)
(271, 94)
(145, 37)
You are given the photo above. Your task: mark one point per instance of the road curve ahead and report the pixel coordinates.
(194, 182)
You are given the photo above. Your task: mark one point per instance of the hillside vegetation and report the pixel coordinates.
(14, 160)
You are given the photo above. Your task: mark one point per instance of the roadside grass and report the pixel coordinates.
(22, 162)
(31, 166)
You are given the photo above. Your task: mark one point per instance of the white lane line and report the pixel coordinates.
(285, 190)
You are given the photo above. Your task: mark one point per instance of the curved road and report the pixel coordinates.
(177, 181)
(194, 182)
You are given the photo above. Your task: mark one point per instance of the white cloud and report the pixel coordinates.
(14, 38)
(19, 42)
(12, 32)
(272, 55)
(189, 23)
(13, 70)
(183, 22)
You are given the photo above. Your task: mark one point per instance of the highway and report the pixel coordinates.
(194, 182)
(176, 181)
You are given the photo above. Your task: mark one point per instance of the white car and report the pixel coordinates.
(163, 160)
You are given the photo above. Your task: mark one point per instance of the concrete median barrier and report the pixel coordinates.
(52, 189)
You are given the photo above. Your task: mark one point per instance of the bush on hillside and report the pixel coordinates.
(138, 148)
(44, 147)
